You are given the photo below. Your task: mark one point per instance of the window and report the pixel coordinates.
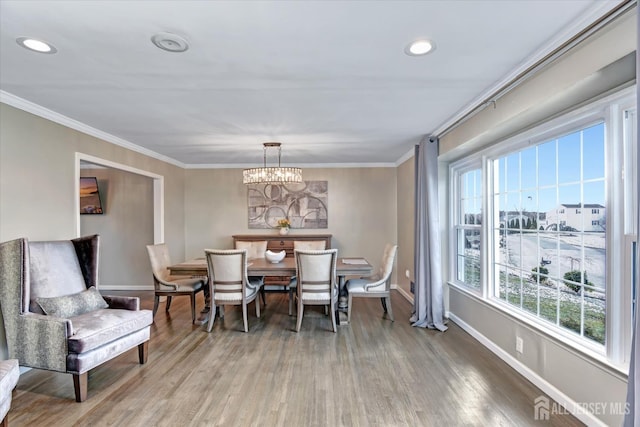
(567, 289)
(533, 252)
(468, 221)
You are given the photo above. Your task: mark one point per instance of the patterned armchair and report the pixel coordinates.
(80, 329)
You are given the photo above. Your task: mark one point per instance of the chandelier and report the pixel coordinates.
(272, 174)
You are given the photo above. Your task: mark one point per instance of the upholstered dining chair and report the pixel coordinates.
(317, 281)
(255, 250)
(303, 245)
(229, 283)
(376, 286)
(54, 316)
(170, 286)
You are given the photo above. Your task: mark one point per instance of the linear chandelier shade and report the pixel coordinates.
(273, 174)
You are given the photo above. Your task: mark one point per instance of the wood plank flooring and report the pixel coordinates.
(373, 372)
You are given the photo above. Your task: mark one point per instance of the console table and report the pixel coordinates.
(277, 242)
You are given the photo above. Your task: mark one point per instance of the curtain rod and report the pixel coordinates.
(530, 71)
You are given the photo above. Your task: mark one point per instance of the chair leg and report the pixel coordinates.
(384, 304)
(257, 307)
(168, 304)
(193, 308)
(212, 316)
(389, 310)
(244, 317)
(143, 352)
(326, 310)
(80, 385)
(291, 301)
(333, 318)
(263, 295)
(156, 303)
(300, 313)
(349, 308)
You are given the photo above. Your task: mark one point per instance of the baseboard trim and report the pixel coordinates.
(405, 294)
(549, 389)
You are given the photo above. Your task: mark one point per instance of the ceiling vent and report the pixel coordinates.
(170, 42)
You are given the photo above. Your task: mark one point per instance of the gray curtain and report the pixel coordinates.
(428, 305)
(632, 418)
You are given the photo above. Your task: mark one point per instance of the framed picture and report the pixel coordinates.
(305, 205)
(90, 202)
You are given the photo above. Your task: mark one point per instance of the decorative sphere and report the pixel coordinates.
(275, 257)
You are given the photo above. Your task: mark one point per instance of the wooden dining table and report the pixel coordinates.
(351, 266)
(287, 267)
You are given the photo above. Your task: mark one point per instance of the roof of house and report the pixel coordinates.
(580, 205)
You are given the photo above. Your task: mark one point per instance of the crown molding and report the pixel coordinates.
(45, 113)
(409, 154)
(303, 165)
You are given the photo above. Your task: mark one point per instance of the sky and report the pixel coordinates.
(541, 177)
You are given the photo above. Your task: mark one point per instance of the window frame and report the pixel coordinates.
(609, 109)
(455, 177)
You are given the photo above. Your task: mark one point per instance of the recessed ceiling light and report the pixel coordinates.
(419, 47)
(36, 45)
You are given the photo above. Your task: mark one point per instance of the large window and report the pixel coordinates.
(542, 225)
(551, 258)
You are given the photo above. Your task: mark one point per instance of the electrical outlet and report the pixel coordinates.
(519, 345)
(407, 273)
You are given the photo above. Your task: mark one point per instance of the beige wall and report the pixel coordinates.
(37, 181)
(603, 63)
(125, 227)
(405, 207)
(361, 203)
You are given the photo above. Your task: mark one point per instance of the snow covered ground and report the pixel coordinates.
(561, 253)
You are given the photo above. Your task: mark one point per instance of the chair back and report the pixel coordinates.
(227, 273)
(160, 260)
(310, 245)
(316, 273)
(386, 266)
(255, 250)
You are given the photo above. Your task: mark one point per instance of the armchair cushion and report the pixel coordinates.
(73, 305)
(95, 328)
(55, 271)
(125, 303)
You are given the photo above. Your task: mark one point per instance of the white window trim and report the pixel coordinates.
(618, 313)
(456, 170)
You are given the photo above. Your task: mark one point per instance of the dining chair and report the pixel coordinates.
(308, 245)
(317, 281)
(170, 286)
(255, 250)
(229, 283)
(377, 285)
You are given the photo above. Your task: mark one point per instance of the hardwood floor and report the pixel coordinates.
(373, 372)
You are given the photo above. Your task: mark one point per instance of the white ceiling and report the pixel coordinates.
(328, 79)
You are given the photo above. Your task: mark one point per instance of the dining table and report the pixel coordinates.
(351, 266)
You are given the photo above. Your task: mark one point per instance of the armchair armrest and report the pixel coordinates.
(44, 341)
(122, 302)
